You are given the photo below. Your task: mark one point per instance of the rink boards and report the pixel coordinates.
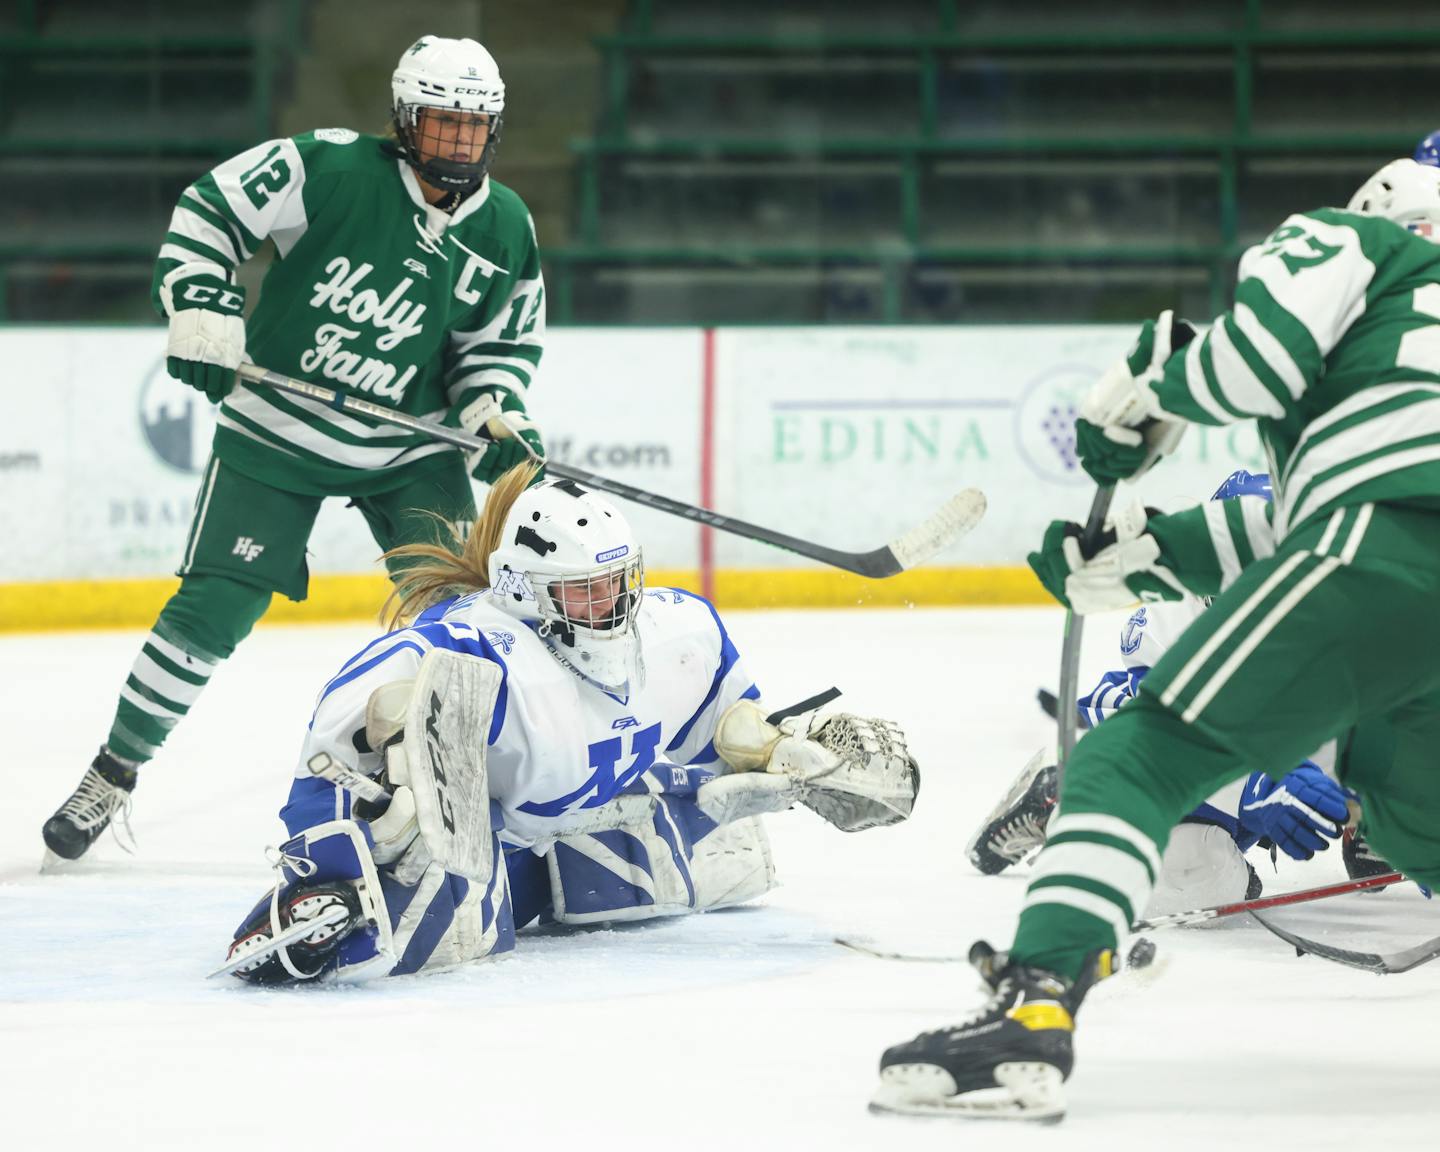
(848, 436)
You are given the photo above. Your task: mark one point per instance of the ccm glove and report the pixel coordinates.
(207, 333)
(500, 415)
(1121, 429)
(1300, 815)
(1124, 568)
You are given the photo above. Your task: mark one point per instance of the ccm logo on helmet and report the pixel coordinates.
(613, 554)
(471, 91)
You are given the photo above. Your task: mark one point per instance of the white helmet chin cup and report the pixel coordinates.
(460, 75)
(569, 564)
(1407, 193)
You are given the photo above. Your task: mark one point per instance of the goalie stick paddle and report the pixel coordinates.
(1380, 963)
(956, 517)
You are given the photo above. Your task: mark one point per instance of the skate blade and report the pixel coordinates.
(51, 864)
(1028, 1091)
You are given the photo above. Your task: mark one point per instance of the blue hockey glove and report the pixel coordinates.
(1300, 815)
(207, 333)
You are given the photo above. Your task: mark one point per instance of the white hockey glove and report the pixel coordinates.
(207, 330)
(1127, 567)
(1121, 429)
(500, 415)
(854, 772)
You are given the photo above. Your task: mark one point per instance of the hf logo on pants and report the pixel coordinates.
(246, 547)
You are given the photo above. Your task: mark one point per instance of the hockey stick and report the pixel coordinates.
(1074, 627)
(953, 520)
(1380, 963)
(1049, 703)
(1178, 919)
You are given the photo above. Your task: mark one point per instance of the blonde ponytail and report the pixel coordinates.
(454, 566)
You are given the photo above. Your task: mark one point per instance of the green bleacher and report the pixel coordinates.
(933, 161)
(107, 111)
(775, 161)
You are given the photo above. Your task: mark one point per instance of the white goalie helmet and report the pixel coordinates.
(569, 564)
(1407, 193)
(458, 75)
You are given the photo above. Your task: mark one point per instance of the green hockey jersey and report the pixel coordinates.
(373, 292)
(1333, 345)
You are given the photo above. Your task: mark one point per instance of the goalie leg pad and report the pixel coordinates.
(442, 759)
(650, 866)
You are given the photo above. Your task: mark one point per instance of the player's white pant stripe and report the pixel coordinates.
(1357, 533)
(1102, 863)
(158, 680)
(1078, 898)
(1251, 642)
(1331, 530)
(200, 664)
(1223, 633)
(1199, 389)
(1256, 515)
(1237, 380)
(202, 506)
(1107, 826)
(1219, 525)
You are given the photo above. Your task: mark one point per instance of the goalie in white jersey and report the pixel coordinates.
(544, 737)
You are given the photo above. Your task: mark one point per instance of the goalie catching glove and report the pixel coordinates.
(854, 772)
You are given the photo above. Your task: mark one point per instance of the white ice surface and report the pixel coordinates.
(747, 1029)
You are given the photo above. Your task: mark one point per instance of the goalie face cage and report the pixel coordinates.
(598, 605)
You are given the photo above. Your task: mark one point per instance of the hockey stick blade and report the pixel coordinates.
(297, 931)
(957, 517)
(1380, 963)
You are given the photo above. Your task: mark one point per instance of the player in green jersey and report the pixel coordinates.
(1324, 625)
(404, 274)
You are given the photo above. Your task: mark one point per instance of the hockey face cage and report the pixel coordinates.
(438, 133)
(596, 605)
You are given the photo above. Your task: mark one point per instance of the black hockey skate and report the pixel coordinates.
(1361, 862)
(313, 921)
(103, 795)
(1008, 1061)
(1016, 827)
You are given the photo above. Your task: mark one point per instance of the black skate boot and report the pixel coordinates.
(1361, 862)
(1016, 827)
(273, 946)
(104, 792)
(1008, 1061)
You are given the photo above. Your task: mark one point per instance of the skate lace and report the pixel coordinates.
(1017, 837)
(998, 997)
(95, 802)
(304, 868)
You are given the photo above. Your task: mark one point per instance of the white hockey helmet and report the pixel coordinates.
(569, 564)
(1405, 192)
(459, 75)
